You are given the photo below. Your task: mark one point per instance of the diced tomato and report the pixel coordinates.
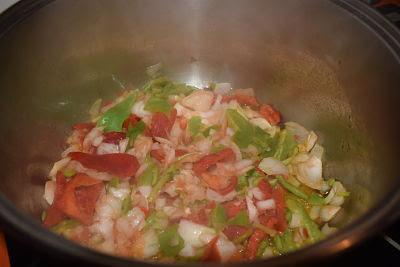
(246, 100)
(223, 185)
(158, 154)
(233, 232)
(79, 197)
(232, 208)
(61, 182)
(278, 195)
(199, 217)
(269, 219)
(211, 254)
(130, 121)
(183, 123)
(119, 164)
(53, 217)
(231, 186)
(270, 114)
(83, 126)
(160, 125)
(113, 137)
(254, 243)
(237, 256)
(241, 99)
(180, 152)
(208, 161)
(266, 188)
(146, 211)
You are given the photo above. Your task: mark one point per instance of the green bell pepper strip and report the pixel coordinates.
(285, 243)
(316, 199)
(126, 205)
(195, 126)
(149, 176)
(164, 178)
(218, 217)
(312, 228)
(64, 226)
(241, 219)
(243, 237)
(69, 173)
(291, 188)
(286, 145)
(261, 248)
(155, 104)
(113, 118)
(133, 132)
(171, 243)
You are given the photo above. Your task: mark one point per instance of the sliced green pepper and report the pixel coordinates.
(171, 243)
(286, 145)
(218, 217)
(291, 188)
(113, 118)
(155, 104)
(261, 248)
(312, 228)
(316, 199)
(149, 176)
(241, 219)
(242, 183)
(69, 173)
(195, 126)
(135, 131)
(64, 226)
(157, 220)
(164, 178)
(126, 205)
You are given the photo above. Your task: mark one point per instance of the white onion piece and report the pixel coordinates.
(123, 144)
(257, 193)
(267, 204)
(337, 201)
(328, 212)
(311, 140)
(310, 173)
(246, 91)
(212, 195)
(261, 122)
(272, 166)
(222, 88)
(160, 203)
(138, 109)
(314, 212)
(225, 248)
(119, 192)
(107, 148)
(145, 190)
(90, 137)
(187, 251)
(151, 245)
(295, 221)
(58, 166)
(199, 100)
(49, 189)
(300, 133)
(194, 234)
(251, 209)
(317, 151)
(327, 230)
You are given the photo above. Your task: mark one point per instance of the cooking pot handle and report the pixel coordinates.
(4, 259)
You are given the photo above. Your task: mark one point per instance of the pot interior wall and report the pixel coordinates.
(315, 62)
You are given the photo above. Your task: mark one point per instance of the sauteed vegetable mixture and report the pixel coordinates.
(174, 173)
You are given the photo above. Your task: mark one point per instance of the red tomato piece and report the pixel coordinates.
(233, 232)
(270, 114)
(268, 218)
(183, 123)
(232, 208)
(254, 243)
(113, 137)
(130, 121)
(266, 188)
(180, 152)
(119, 164)
(83, 126)
(211, 254)
(246, 100)
(53, 217)
(203, 164)
(60, 187)
(79, 197)
(279, 196)
(199, 217)
(158, 154)
(231, 186)
(160, 125)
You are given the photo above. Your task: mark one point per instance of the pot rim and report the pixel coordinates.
(370, 223)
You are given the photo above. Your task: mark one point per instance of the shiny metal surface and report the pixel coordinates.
(316, 62)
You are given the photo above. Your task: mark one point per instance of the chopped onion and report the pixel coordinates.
(317, 151)
(267, 204)
(225, 248)
(194, 234)
(311, 140)
(328, 212)
(138, 109)
(199, 100)
(314, 212)
(49, 190)
(123, 144)
(272, 166)
(327, 230)
(246, 91)
(310, 173)
(222, 88)
(257, 193)
(300, 133)
(160, 203)
(187, 251)
(58, 166)
(151, 245)
(107, 148)
(145, 190)
(251, 209)
(90, 137)
(212, 195)
(295, 221)
(261, 122)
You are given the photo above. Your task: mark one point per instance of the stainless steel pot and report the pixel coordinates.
(330, 65)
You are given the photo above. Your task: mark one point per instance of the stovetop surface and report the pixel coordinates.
(382, 250)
